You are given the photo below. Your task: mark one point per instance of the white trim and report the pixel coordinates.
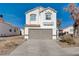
(33, 9)
(39, 8)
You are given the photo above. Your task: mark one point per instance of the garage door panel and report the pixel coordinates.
(40, 34)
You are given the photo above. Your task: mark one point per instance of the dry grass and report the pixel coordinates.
(9, 43)
(67, 41)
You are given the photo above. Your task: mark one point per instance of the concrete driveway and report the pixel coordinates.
(43, 48)
(38, 48)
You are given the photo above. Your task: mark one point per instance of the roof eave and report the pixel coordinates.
(33, 9)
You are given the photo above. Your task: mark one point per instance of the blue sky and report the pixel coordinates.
(14, 13)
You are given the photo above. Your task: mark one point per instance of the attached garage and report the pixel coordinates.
(40, 34)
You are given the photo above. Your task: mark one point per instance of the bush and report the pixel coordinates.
(67, 39)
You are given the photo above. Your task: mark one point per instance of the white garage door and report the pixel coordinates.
(40, 34)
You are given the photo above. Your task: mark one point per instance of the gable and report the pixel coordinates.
(37, 8)
(41, 9)
(49, 10)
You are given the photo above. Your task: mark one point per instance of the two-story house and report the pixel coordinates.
(41, 23)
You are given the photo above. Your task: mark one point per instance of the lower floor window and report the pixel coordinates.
(10, 30)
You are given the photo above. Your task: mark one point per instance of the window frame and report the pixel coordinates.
(48, 15)
(10, 30)
(71, 30)
(32, 17)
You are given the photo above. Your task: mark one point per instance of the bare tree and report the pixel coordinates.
(58, 23)
(58, 27)
(74, 13)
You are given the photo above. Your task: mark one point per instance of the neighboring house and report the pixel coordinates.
(41, 23)
(69, 30)
(7, 29)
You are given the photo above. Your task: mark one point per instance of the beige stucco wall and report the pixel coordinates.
(4, 30)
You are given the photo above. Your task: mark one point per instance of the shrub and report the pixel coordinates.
(67, 39)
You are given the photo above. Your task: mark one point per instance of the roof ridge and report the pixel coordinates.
(51, 9)
(34, 9)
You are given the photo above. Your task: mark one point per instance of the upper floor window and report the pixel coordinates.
(33, 17)
(48, 23)
(48, 16)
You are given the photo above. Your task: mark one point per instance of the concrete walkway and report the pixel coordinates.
(38, 48)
